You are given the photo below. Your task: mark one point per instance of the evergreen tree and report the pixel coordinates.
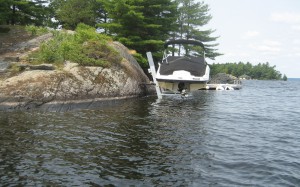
(142, 25)
(284, 77)
(23, 12)
(72, 12)
(262, 71)
(101, 12)
(4, 11)
(193, 17)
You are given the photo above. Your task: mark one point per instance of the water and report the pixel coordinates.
(249, 137)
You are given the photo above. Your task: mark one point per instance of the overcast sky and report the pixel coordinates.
(258, 31)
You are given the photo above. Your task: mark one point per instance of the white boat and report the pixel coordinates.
(181, 74)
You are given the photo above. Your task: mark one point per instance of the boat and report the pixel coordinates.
(181, 74)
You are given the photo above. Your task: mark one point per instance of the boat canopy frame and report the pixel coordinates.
(183, 41)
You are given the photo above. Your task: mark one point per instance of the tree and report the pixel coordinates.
(260, 71)
(284, 77)
(101, 12)
(72, 12)
(23, 12)
(4, 11)
(193, 17)
(142, 25)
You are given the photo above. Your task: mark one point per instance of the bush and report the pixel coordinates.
(85, 47)
(85, 33)
(34, 30)
(96, 53)
(141, 60)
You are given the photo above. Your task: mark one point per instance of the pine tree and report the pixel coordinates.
(72, 12)
(23, 12)
(4, 11)
(142, 25)
(193, 17)
(284, 77)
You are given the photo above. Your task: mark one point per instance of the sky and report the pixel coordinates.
(258, 31)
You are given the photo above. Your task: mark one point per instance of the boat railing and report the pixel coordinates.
(165, 58)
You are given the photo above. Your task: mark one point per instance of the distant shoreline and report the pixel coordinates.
(293, 79)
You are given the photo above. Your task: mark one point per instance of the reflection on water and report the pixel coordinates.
(211, 139)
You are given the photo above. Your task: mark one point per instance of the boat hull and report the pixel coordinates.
(170, 87)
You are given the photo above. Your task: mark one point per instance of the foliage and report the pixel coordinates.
(284, 77)
(85, 47)
(85, 33)
(14, 69)
(261, 71)
(193, 16)
(141, 60)
(96, 53)
(36, 30)
(24, 12)
(72, 12)
(141, 25)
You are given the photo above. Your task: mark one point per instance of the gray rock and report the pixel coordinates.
(222, 78)
(3, 66)
(31, 43)
(46, 88)
(11, 59)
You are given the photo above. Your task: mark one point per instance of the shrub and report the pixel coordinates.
(85, 47)
(96, 53)
(85, 33)
(141, 60)
(34, 30)
(53, 51)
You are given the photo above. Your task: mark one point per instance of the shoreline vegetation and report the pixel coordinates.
(56, 69)
(261, 71)
(88, 48)
(139, 25)
(82, 65)
(83, 46)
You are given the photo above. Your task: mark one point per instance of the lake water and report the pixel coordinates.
(249, 137)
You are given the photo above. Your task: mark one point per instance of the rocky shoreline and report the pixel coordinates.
(60, 88)
(72, 86)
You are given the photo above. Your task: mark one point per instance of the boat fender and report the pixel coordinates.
(220, 88)
(183, 93)
(228, 88)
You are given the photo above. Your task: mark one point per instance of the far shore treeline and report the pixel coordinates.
(261, 71)
(141, 25)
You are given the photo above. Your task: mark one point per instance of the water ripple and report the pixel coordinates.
(231, 138)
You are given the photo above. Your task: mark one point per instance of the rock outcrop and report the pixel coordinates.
(223, 78)
(62, 87)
